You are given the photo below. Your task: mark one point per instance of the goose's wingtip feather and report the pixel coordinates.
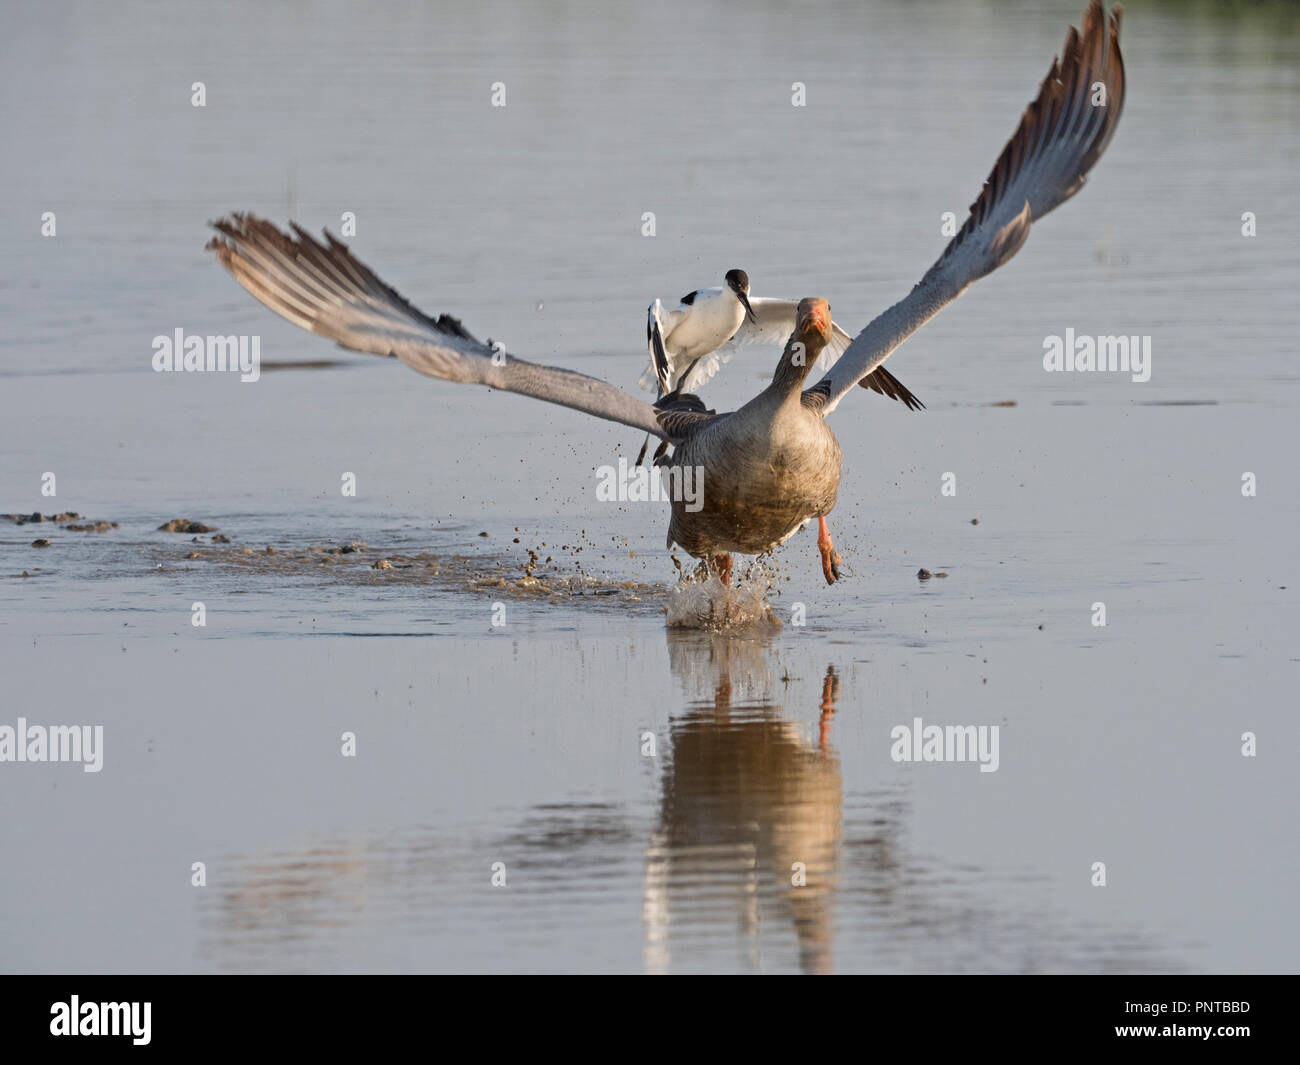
(324, 288)
(1061, 135)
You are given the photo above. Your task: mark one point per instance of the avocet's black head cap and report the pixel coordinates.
(739, 282)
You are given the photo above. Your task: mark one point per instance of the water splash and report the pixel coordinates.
(699, 600)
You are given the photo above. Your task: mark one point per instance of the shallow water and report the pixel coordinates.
(525, 743)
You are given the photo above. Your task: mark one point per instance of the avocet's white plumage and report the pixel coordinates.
(689, 344)
(691, 332)
(695, 341)
(771, 326)
(682, 360)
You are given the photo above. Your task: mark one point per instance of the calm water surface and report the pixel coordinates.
(527, 744)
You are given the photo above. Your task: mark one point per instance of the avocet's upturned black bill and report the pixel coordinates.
(738, 282)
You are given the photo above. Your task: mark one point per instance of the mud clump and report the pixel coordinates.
(69, 519)
(92, 526)
(391, 567)
(37, 517)
(354, 548)
(185, 525)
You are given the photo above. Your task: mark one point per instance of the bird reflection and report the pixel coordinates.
(751, 810)
(740, 845)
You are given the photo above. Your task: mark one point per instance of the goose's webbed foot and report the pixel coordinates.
(830, 557)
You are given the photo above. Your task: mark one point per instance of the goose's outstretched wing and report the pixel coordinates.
(324, 288)
(1061, 135)
(771, 326)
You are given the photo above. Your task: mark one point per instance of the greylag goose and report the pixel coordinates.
(773, 465)
(689, 344)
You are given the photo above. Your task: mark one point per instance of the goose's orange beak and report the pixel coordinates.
(815, 316)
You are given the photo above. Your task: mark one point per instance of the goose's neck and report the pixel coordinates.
(795, 365)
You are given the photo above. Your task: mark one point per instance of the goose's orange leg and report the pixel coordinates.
(722, 563)
(830, 557)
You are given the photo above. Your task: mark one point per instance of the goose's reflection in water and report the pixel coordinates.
(751, 817)
(738, 847)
